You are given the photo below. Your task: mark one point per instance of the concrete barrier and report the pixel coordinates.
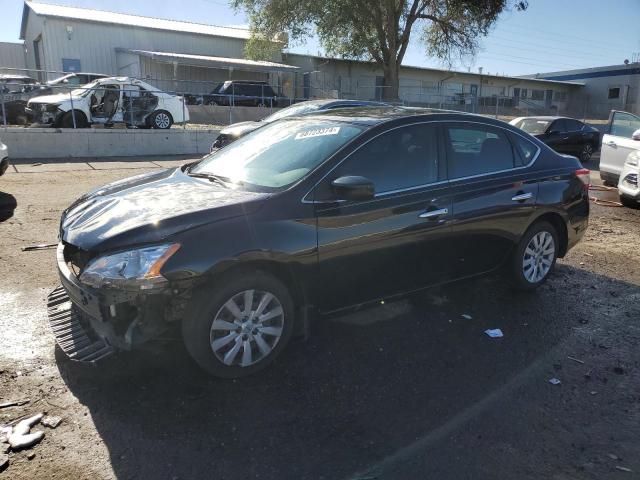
(90, 142)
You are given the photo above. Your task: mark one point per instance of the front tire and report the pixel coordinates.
(240, 324)
(535, 256)
(629, 202)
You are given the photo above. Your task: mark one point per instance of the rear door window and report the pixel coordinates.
(474, 149)
(558, 126)
(573, 125)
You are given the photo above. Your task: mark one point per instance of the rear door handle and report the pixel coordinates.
(434, 213)
(521, 197)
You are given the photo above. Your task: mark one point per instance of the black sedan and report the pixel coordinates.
(564, 135)
(309, 215)
(237, 130)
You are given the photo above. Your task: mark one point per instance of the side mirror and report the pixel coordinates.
(554, 132)
(636, 135)
(66, 80)
(352, 187)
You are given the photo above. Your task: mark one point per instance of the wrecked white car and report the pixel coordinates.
(108, 101)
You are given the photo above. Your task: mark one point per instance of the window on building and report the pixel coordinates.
(537, 94)
(523, 93)
(477, 149)
(614, 92)
(559, 96)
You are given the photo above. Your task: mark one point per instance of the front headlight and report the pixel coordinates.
(633, 158)
(137, 269)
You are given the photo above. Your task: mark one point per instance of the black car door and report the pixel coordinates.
(396, 241)
(493, 194)
(557, 136)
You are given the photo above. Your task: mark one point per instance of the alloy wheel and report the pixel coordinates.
(162, 120)
(247, 328)
(586, 153)
(538, 257)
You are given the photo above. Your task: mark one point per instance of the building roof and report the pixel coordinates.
(101, 16)
(213, 62)
(444, 71)
(593, 72)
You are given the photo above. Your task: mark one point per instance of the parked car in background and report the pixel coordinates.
(564, 135)
(247, 93)
(622, 137)
(310, 214)
(16, 90)
(233, 132)
(4, 158)
(108, 101)
(68, 82)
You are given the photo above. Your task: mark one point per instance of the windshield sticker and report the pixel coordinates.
(320, 132)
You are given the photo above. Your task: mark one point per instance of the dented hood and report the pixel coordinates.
(149, 208)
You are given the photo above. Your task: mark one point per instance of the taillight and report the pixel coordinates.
(585, 177)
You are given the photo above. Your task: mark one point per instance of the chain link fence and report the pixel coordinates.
(219, 103)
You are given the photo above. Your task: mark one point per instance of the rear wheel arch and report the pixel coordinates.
(559, 224)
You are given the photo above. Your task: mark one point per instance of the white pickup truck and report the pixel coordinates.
(620, 154)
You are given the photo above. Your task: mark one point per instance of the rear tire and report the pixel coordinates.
(535, 256)
(586, 152)
(213, 330)
(161, 120)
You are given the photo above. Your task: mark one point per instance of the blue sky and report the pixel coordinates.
(550, 35)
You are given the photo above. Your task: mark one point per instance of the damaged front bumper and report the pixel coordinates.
(44, 114)
(90, 324)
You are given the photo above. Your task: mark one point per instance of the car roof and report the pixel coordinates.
(371, 116)
(547, 117)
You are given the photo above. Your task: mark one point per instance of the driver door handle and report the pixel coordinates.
(434, 213)
(521, 197)
(611, 143)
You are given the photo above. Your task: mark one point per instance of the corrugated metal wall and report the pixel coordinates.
(11, 56)
(94, 44)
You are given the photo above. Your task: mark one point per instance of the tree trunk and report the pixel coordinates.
(391, 80)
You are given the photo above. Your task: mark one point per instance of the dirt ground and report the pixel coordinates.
(395, 392)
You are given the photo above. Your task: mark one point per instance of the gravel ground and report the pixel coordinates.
(404, 390)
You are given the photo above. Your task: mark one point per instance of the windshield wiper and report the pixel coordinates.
(212, 178)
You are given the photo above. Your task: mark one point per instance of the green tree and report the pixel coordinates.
(379, 30)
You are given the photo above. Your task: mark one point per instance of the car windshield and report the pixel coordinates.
(533, 126)
(299, 109)
(277, 155)
(219, 87)
(84, 90)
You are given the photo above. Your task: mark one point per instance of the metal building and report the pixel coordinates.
(612, 87)
(175, 55)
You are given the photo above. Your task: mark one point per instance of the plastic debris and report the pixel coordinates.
(39, 246)
(555, 381)
(623, 469)
(51, 421)
(15, 403)
(577, 360)
(494, 332)
(613, 456)
(4, 461)
(20, 436)
(466, 316)
(593, 392)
